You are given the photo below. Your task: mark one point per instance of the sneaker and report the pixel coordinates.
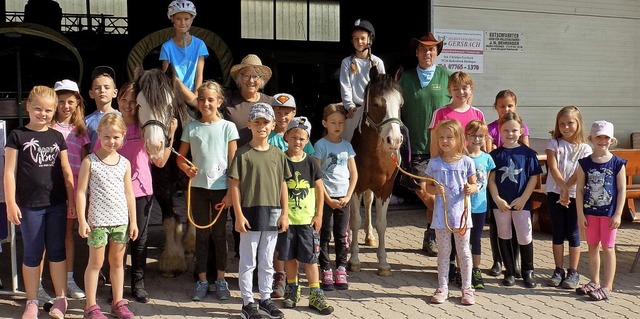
(468, 297)
(572, 281)
(200, 290)
(30, 310)
(327, 283)
(291, 295)
(94, 312)
(250, 311)
(476, 279)
(341, 279)
(587, 288)
(121, 311)
(270, 308)
(557, 277)
(318, 301)
(429, 245)
(73, 291)
(44, 297)
(440, 295)
(59, 308)
(279, 283)
(222, 289)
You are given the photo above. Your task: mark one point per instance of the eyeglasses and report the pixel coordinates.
(254, 77)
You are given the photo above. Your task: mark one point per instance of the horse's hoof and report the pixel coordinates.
(371, 242)
(384, 272)
(354, 267)
(169, 274)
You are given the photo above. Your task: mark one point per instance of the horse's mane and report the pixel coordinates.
(159, 90)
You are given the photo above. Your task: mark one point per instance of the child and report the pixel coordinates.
(133, 150)
(511, 184)
(259, 193)
(600, 195)
(563, 152)
(354, 73)
(105, 176)
(212, 142)
(335, 156)
(476, 131)
(103, 91)
(455, 171)
(69, 120)
(38, 204)
(183, 51)
(300, 243)
(284, 108)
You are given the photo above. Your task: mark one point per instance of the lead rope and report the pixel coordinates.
(219, 206)
(464, 225)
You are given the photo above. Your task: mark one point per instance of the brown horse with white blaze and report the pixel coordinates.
(375, 140)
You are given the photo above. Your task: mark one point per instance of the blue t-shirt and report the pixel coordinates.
(277, 140)
(334, 159)
(600, 187)
(484, 164)
(184, 60)
(514, 167)
(91, 121)
(453, 176)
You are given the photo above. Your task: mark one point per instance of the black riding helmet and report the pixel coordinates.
(365, 25)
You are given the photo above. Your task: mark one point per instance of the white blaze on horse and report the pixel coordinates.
(158, 103)
(375, 140)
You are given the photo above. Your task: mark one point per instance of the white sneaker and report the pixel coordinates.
(43, 296)
(73, 291)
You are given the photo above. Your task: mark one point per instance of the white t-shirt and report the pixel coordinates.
(567, 155)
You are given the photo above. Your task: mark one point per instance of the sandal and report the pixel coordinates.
(587, 288)
(599, 294)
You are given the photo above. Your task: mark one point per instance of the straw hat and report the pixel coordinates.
(254, 61)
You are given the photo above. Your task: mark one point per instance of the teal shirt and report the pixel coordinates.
(278, 141)
(420, 103)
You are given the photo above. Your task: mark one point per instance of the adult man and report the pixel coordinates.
(424, 90)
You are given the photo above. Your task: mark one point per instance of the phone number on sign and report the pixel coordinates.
(459, 66)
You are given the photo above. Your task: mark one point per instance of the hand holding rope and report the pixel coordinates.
(219, 206)
(464, 225)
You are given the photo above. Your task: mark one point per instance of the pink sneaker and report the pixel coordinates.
(30, 310)
(121, 311)
(94, 312)
(440, 295)
(341, 279)
(468, 297)
(59, 308)
(327, 280)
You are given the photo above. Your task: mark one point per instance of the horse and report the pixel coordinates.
(375, 140)
(159, 101)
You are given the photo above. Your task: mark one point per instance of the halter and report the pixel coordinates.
(165, 129)
(370, 122)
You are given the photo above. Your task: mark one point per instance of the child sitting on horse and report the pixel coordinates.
(455, 174)
(300, 243)
(212, 142)
(340, 175)
(260, 202)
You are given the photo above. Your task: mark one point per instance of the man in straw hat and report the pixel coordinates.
(424, 90)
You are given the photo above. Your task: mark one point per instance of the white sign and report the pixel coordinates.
(504, 41)
(462, 51)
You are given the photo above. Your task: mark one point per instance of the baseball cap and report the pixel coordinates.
(601, 128)
(300, 122)
(261, 110)
(66, 85)
(283, 100)
(103, 70)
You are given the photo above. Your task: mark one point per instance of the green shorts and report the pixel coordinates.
(100, 236)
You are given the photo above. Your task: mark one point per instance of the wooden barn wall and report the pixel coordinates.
(577, 52)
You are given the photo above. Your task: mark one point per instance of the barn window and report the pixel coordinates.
(298, 20)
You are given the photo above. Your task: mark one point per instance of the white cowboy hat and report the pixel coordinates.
(254, 61)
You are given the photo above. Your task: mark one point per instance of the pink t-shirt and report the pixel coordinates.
(133, 150)
(74, 146)
(447, 113)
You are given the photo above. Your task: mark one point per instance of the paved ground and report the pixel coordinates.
(405, 294)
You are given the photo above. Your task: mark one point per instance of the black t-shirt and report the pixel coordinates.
(39, 178)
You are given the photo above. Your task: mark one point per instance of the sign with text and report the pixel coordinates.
(503, 41)
(462, 51)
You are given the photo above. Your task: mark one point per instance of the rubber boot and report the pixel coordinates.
(516, 257)
(527, 265)
(496, 269)
(139, 292)
(507, 261)
(429, 242)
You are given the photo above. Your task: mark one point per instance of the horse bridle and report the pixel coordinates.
(369, 121)
(165, 129)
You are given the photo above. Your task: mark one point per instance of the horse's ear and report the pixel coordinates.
(398, 74)
(137, 73)
(373, 72)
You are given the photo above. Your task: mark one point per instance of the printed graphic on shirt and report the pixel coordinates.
(43, 156)
(299, 191)
(510, 172)
(597, 193)
(336, 160)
